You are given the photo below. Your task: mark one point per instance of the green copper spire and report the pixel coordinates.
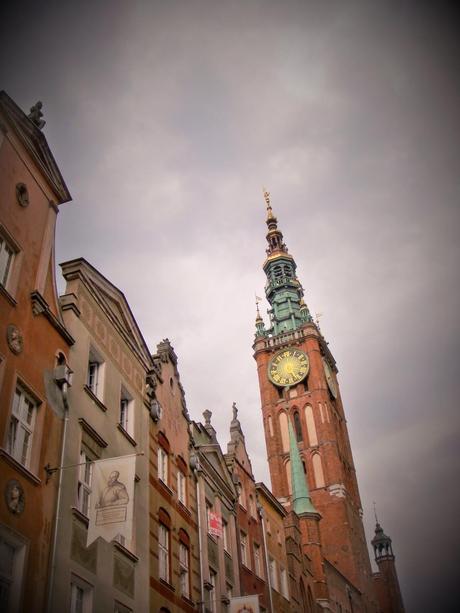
(283, 290)
(301, 501)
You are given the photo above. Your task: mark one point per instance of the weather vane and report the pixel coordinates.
(318, 317)
(258, 300)
(375, 512)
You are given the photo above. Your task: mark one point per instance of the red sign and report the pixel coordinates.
(215, 524)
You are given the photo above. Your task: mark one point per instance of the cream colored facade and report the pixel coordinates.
(108, 416)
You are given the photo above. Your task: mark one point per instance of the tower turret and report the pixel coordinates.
(283, 290)
(386, 580)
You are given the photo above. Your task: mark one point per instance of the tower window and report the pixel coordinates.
(298, 427)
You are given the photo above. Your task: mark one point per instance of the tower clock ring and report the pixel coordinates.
(288, 367)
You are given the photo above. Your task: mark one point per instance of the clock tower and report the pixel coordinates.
(300, 393)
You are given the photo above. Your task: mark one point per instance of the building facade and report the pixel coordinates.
(217, 499)
(108, 417)
(33, 343)
(173, 542)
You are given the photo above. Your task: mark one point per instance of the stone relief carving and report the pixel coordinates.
(22, 194)
(14, 339)
(15, 497)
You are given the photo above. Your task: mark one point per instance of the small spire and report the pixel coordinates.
(258, 317)
(268, 203)
(301, 501)
(375, 512)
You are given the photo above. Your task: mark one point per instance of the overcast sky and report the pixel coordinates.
(167, 118)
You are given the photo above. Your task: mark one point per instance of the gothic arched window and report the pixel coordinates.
(318, 470)
(311, 428)
(283, 421)
(298, 427)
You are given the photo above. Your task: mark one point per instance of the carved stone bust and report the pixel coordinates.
(14, 497)
(14, 339)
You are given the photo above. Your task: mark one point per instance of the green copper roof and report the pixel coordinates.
(301, 501)
(283, 289)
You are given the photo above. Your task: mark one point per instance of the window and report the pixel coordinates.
(226, 535)
(273, 574)
(212, 591)
(95, 378)
(184, 570)
(181, 487)
(126, 411)
(257, 561)
(252, 506)
(318, 470)
(21, 427)
(163, 465)
(6, 260)
(84, 482)
(284, 583)
(12, 557)
(298, 427)
(163, 546)
(81, 595)
(244, 549)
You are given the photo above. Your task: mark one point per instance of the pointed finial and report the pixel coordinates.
(318, 317)
(375, 512)
(268, 203)
(257, 307)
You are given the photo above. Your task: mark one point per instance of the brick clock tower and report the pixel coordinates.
(300, 399)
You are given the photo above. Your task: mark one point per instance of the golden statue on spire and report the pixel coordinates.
(268, 203)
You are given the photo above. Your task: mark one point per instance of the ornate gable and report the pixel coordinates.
(112, 301)
(35, 142)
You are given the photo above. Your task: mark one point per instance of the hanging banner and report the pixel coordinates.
(244, 604)
(215, 524)
(111, 507)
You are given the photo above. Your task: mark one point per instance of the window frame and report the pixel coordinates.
(163, 465)
(76, 583)
(181, 487)
(126, 411)
(258, 566)
(13, 435)
(85, 477)
(15, 579)
(96, 363)
(244, 549)
(184, 569)
(164, 550)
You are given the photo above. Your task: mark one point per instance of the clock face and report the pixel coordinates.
(330, 379)
(288, 367)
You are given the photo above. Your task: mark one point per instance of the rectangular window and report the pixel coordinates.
(244, 549)
(257, 561)
(181, 487)
(84, 483)
(163, 545)
(162, 465)
(95, 375)
(273, 574)
(208, 515)
(81, 596)
(212, 591)
(21, 426)
(184, 570)
(226, 536)
(284, 583)
(6, 261)
(126, 411)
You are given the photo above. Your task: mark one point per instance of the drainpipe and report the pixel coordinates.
(64, 389)
(195, 465)
(267, 566)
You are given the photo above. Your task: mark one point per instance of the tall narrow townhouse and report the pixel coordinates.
(173, 541)
(250, 528)
(33, 344)
(217, 500)
(108, 417)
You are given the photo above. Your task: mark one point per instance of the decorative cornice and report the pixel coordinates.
(41, 307)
